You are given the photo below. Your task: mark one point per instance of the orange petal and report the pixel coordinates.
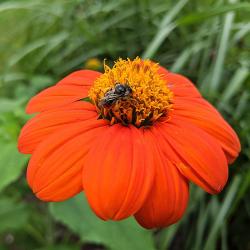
(180, 85)
(118, 173)
(48, 122)
(55, 169)
(80, 78)
(168, 198)
(202, 114)
(56, 96)
(203, 160)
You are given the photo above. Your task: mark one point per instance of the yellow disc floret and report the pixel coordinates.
(131, 92)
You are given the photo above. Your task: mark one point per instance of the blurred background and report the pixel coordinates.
(43, 40)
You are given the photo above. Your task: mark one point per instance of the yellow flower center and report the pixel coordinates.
(132, 92)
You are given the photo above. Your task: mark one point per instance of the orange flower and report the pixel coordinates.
(133, 148)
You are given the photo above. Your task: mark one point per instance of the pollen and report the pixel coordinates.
(132, 92)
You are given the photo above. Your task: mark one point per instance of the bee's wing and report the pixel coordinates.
(111, 97)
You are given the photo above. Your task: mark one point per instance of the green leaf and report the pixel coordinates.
(12, 163)
(13, 215)
(86, 99)
(8, 105)
(123, 235)
(59, 247)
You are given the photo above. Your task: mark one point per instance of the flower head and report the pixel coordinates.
(133, 149)
(150, 97)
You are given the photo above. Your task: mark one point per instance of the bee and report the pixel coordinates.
(114, 94)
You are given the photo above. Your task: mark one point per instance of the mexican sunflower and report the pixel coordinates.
(131, 138)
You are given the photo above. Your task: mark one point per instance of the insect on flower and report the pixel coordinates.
(133, 149)
(118, 92)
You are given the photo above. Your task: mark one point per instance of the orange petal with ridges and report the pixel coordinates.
(118, 173)
(80, 78)
(48, 122)
(168, 198)
(169, 152)
(57, 162)
(64, 187)
(55, 97)
(203, 160)
(202, 114)
(180, 85)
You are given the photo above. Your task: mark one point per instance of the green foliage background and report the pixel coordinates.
(43, 40)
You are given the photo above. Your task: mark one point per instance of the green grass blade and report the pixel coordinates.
(17, 5)
(223, 212)
(165, 28)
(234, 85)
(221, 52)
(204, 15)
(242, 105)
